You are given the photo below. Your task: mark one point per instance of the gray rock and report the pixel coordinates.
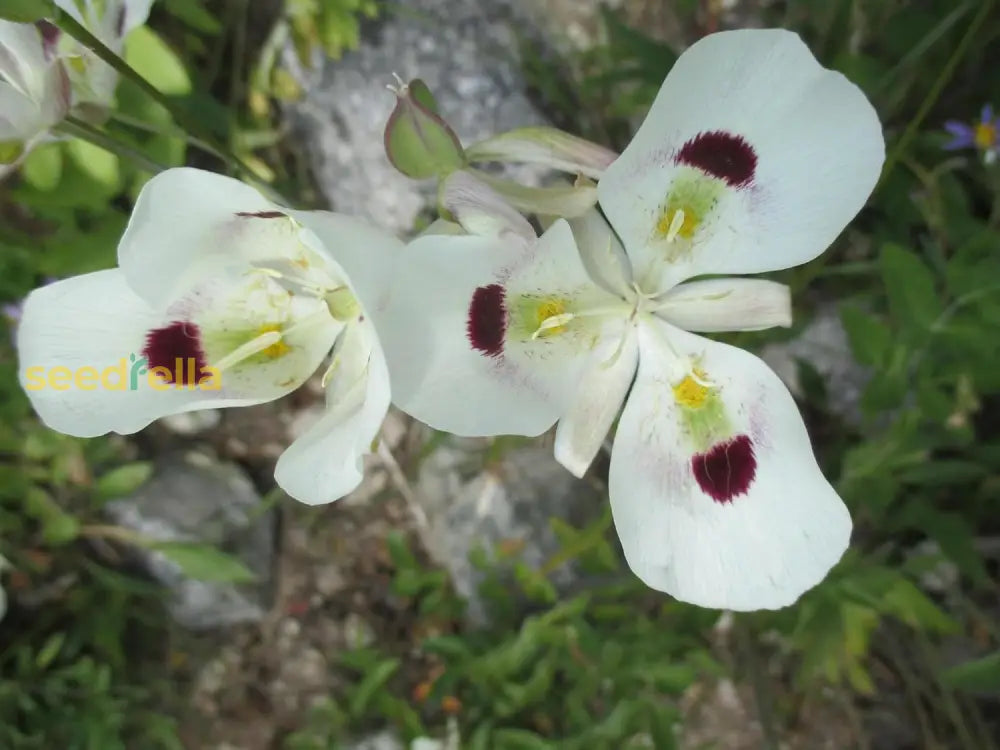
(467, 505)
(465, 50)
(192, 422)
(823, 344)
(195, 499)
(385, 740)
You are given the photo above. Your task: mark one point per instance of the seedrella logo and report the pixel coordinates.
(125, 375)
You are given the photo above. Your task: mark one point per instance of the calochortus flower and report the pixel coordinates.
(222, 298)
(984, 135)
(34, 89)
(93, 80)
(753, 158)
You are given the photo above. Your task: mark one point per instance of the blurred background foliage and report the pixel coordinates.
(911, 611)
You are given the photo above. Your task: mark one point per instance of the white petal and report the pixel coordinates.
(186, 225)
(326, 462)
(602, 253)
(546, 146)
(96, 321)
(136, 14)
(22, 58)
(71, 7)
(818, 147)
(727, 305)
(472, 368)
(752, 530)
(563, 200)
(365, 255)
(480, 210)
(20, 118)
(596, 402)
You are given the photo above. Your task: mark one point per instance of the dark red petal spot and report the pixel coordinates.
(261, 214)
(727, 470)
(487, 322)
(724, 155)
(177, 348)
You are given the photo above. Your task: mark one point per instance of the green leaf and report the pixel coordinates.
(100, 165)
(203, 562)
(372, 682)
(43, 167)
(910, 286)
(156, 62)
(912, 606)
(519, 739)
(50, 650)
(194, 15)
(124, 480)
(869, 337)
(979, 675)
(25, 11)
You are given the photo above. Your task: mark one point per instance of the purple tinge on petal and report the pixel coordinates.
(727, 469)
(726, 156)
(962, 135)
(177, 348)
(487, 321)
(50, 37)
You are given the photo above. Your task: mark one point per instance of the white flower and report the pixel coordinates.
(34, 90)
(238, 301)
(94, 81)
(753, 158)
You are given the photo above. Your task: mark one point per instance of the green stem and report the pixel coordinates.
(935, 91)
(758, 683)
(78, 31)
(77, 128)
(164, 130)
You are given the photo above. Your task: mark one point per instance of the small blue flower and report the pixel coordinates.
(984, 135)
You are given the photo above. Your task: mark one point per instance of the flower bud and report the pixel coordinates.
(418, 142)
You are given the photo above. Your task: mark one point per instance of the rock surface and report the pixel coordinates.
(823, 344)
(465, 50)
(192, 498)
(469, 504)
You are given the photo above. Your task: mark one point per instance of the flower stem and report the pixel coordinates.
(77, 128)
(78, 31)
(935, 91)
(164, 130)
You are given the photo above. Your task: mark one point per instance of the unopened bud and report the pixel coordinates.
(418, 142)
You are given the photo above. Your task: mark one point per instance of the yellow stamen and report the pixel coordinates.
(279, 348)
(985, 135)
(677, 222)
(551, 318)
(692, 391)
(260, 343)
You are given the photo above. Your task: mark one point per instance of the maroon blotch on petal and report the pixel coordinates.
(724, 155)
(727, 469)
(181, 341)
(261, 214)
(487, 322)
